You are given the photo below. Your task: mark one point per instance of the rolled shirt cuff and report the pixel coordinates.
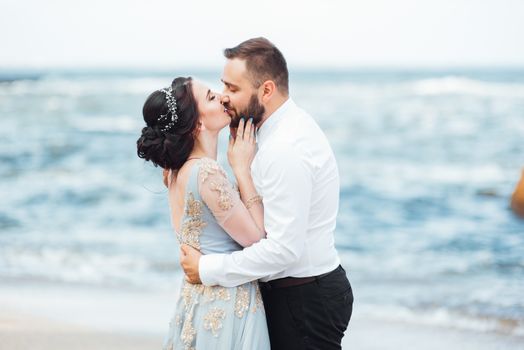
(210, 267)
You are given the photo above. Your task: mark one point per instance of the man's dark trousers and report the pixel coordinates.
(313, 315)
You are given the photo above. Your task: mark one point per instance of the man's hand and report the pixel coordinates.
(189, 259)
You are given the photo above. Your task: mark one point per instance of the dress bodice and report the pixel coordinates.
(209, 197)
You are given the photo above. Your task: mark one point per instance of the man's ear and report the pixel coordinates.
(268, 89)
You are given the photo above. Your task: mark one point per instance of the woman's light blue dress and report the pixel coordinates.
(216, 317)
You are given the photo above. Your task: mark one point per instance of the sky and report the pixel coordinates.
(328, 33)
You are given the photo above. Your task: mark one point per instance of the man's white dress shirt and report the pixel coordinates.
(296, 173)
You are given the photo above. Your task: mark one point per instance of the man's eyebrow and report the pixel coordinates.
(207, 95)
(228, 84)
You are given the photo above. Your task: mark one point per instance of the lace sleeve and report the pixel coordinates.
(223, 200)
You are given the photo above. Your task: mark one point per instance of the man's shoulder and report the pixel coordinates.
(278, 148)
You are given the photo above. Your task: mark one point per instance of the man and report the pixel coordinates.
(307, 296)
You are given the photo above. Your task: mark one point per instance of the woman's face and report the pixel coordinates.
(211, 112)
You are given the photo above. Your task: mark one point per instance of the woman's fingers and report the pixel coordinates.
(240, 130)
(247, 133)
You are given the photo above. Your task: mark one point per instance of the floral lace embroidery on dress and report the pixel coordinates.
(193, 225)
(225, 202)
(259, 303)
(212, 320)
(242, 301)
(219, 184)
(193, 294)
(188, 331)
(210, 167)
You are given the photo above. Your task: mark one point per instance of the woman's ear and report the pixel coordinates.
(200, 127)
(268, 89)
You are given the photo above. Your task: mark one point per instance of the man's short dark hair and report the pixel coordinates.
(264, 61)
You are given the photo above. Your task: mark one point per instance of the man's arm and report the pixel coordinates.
(287, 186)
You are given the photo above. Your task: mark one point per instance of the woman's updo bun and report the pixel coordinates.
(169, 148)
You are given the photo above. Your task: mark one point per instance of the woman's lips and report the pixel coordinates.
(230, 112)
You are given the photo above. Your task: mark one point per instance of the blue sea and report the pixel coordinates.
(428, 160)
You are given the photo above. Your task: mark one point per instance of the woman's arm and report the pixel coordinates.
(224, 202)
(242, 217)
(251, 199)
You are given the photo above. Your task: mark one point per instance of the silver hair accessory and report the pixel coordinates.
(171, 104)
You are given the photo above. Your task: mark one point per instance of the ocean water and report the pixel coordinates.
(428, 161)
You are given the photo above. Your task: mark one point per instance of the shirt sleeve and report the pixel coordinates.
(287, 183)
(223, 200)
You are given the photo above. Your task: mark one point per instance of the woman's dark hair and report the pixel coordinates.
(169, 149)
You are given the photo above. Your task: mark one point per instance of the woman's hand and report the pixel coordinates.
(242, 148)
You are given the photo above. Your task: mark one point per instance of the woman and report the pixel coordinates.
(207, 212)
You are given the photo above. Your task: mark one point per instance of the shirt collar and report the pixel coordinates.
(272, 121)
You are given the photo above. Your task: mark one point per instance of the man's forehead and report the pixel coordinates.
(234, 71)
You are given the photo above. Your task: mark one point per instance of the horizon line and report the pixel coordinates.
(296, 68)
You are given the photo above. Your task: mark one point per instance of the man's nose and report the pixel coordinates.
(224, 99)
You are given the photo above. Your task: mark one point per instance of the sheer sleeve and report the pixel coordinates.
(223, 200)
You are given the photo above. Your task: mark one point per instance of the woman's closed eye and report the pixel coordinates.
(210, 95)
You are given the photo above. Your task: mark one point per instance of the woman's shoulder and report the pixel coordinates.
(208, 167)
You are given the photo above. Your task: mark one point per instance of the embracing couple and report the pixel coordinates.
(261, 268)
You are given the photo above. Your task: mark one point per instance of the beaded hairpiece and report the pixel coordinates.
(171, 103)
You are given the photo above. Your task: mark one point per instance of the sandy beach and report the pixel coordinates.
(45, 316)
(20, 330)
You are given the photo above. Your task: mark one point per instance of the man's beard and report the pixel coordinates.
(254, 109)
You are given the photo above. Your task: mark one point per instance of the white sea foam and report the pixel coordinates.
(117, 123)
(455, 85)
(86, 266)
(443, 85)
(442, 317)
(75, 88)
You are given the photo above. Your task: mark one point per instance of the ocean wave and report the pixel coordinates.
(443, 317)
(6, 78)
(89, 86)
(443, 85)
(456, 85)
(82, 87)
(407, 179)
(117, 123)
(87, 266)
